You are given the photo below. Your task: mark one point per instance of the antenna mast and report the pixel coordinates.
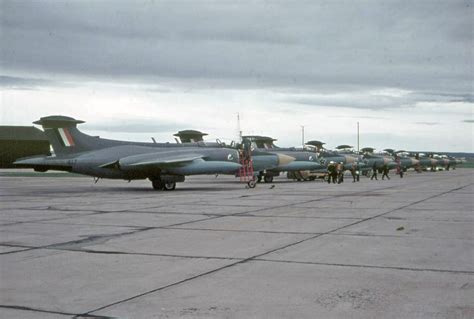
(238, 127)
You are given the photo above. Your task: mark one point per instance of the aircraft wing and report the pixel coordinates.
(44, 163)
(159, 162)
(156, 160)
(180, 164)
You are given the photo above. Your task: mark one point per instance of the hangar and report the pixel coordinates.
(21, 141)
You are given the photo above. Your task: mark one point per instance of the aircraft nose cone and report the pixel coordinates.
(284, 159)
(349, 159)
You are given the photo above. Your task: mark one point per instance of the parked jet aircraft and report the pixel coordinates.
(261, 160)
(303, 160)
(379, 160)
(425, 161)
(402, 157)
(326, 156)
(164, 164)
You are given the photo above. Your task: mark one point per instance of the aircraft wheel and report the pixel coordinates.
(170, 186)
(157, 184)
(268, 178)
(252, 183)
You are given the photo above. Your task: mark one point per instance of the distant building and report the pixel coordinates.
(21, 141)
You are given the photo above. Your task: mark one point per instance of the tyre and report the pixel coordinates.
(157, 184)
(268, 178)
(170, 186)
(252, 183)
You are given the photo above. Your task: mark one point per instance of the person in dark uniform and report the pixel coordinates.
(335, 174)
(331, 168)
(374, 172)
(385, 171)
(354, 172)
(340, 173)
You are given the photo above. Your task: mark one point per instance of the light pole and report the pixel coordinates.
(358, 138)
(302, 135)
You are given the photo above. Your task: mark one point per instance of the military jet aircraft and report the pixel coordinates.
(444, 161)
(378, 160)
(430, 161)
(426, 162)
(303, 160)
(402, 159)
(261, 160)
(343, 156)
(164, 164)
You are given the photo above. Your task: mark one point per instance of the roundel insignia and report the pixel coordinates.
(230, 157)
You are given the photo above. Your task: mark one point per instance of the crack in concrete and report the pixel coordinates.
(14, 307)
(468, 272)
(243, 231)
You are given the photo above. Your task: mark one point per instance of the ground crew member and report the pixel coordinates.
(354, 172)
(385, 171)
(340, 173)
(330, 168)
(374, 172)
(332, 173)
(335, 174)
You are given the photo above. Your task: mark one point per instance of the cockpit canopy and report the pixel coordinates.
(265, 142)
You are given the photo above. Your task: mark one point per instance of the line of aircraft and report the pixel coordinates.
(166, 164)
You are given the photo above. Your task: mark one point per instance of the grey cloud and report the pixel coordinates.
(428, 123)
(373, 100)
(14, 82)
(369, 103)
(136, 126)
(468, 121)
(454, 97)
(245, 44)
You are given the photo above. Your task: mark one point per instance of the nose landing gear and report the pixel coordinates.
(252, 183)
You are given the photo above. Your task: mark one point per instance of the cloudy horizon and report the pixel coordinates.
(136, 70)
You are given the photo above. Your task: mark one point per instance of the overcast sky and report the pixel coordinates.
(137, 69)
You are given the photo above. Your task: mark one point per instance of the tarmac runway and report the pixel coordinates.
(402, 248)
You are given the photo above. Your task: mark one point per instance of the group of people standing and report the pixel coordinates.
(336, 172)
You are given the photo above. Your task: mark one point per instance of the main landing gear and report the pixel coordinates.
(160, 185)
(166, 182)
(267, 178)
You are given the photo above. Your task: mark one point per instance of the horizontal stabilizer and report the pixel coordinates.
(44, 163)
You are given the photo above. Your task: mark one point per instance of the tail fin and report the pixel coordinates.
(64, 136)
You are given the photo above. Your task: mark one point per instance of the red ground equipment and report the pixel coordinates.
(246, 171)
